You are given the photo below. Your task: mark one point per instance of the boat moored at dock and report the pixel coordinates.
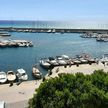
(65, 60)
(11, 76)
(22, 75)
(37, 74)
(102, 39)
(45, 64)
(62, 62)
(3, 77)
(89, 35)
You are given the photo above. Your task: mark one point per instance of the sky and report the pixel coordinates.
(54, 10)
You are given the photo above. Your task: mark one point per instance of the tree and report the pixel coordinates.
(73, 91)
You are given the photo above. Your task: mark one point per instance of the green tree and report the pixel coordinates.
(73, 91)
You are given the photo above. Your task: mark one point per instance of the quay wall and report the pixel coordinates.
(52, 30)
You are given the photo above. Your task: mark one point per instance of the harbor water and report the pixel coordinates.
(45, 45)
(48, 44)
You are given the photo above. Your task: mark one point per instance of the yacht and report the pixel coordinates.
(3, 77)
(22, 75)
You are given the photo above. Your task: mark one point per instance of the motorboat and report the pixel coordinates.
(65, 57)
(62, 62)
(92, 60)
(21, 44)
(22, 75)
(62, 57)
(3, 77)
(70, 62)
(45, 64)
(36, 72)
(11, 76)
(76, 61)
(102, 39)
(104, 58)
(59, 58)
(83, 60)
(54, 62)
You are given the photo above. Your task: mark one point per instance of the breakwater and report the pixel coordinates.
(52, 30)
(15, 43)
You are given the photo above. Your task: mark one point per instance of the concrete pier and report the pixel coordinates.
(52, 30)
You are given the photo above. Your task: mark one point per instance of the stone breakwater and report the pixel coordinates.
(15, 43)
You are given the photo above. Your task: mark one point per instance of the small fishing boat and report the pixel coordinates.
(45, 64)
(65, 57)
(70, 62)
(62, 62)
(102, 38)
(76, 61)
(104, 58)
(3, 77)
(11, 76)
(54, 62)
(22, 75)
(83, 60)
(36, 72)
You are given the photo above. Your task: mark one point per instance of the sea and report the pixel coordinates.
(46, 45)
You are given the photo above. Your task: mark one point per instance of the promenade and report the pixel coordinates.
(17, 96)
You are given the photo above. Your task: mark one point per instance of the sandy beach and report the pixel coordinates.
(17, 96)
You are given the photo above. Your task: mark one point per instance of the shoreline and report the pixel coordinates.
(82, 68)
(18, 95)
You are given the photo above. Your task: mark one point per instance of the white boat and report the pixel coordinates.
(104, 58)
(83, 60)
(76, 61)
(3, 77)
(22, 75)
(11, 76)
(36, 72)
(21, 44)
(65, 57)
(59, 57)
(62, 62)
(54, 62)
(45, 64)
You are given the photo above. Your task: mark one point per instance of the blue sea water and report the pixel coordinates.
(46, 45)
(56, 24)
